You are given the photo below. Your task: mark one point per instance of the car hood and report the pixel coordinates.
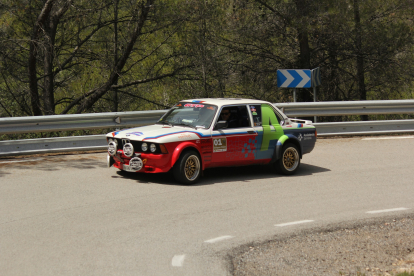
(159, 133)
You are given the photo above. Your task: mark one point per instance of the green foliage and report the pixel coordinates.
(406, 274)
(192, 49)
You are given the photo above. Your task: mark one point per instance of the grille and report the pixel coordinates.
(136, 145)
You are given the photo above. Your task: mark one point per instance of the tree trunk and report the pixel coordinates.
(48, 90)
(360, 59)
(115, 91)
(333, 62)
(302, 7)
(34, 92)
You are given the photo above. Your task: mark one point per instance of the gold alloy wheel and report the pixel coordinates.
(192, 167)
(290, 159)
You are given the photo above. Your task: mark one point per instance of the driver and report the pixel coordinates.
(227, 116)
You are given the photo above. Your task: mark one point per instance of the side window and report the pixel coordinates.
(279, 117)
(257, 114)
(236, 116)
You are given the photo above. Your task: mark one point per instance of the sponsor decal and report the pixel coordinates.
(219, 144)
(300, 137)
(135, 133)
(197, 101)
(179, 105)
(253, 110)
(272, 130)
(210, 107)
(308, 136)
(184, 136)
(254, 113)
(194, 105)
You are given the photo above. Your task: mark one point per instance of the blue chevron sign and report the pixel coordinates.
(316, 77)
(294, 78)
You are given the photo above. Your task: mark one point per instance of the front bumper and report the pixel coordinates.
(151, 163)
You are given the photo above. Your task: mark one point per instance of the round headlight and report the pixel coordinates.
(112, 148)
(128, 149)
(144, 147)
(136, 163)
(153, 148)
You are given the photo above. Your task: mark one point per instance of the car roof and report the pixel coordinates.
(225, 101)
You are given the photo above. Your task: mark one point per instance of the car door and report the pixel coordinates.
(266, 122)
(234, 145)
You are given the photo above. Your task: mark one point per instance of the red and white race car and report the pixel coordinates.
(198, 134)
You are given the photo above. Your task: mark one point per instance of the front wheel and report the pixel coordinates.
(187, 170)
(289, 162)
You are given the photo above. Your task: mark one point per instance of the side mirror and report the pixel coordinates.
(220, 125)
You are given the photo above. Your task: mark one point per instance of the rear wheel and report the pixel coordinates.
(187, 169)
(289, 162)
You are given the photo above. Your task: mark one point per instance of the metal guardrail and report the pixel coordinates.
(347, 108)
(51, 123)
(118, 120)
(365, 128)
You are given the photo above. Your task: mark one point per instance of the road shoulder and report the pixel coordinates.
(380, 246)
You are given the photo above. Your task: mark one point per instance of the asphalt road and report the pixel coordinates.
(70, 215)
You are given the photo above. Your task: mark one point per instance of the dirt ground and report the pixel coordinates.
(381, 247)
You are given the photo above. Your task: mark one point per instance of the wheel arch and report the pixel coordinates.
(285, 139)
(183, 148)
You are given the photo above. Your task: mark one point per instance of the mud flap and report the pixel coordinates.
(110, 161)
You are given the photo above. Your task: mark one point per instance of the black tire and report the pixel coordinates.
(289, 162)
(187, 169)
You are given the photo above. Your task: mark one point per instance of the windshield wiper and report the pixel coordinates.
(186, 125)
(165, 123)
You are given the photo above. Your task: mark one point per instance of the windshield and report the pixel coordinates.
(190, 114)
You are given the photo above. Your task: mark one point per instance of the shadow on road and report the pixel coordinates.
(224, 174)
(211, 176)
(52, 163)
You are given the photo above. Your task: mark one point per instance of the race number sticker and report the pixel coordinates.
(219, 144)
(194, 105)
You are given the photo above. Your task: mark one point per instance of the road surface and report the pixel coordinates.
(70, 215)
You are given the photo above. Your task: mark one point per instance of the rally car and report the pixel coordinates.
(204, 133)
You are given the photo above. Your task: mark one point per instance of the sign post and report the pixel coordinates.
(299, 78)
(316, 81)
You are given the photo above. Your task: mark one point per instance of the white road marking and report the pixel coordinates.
(387, 210)
(293, 223)
(20, 161)
(219, 239)
(389, 138)
(178, 260)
